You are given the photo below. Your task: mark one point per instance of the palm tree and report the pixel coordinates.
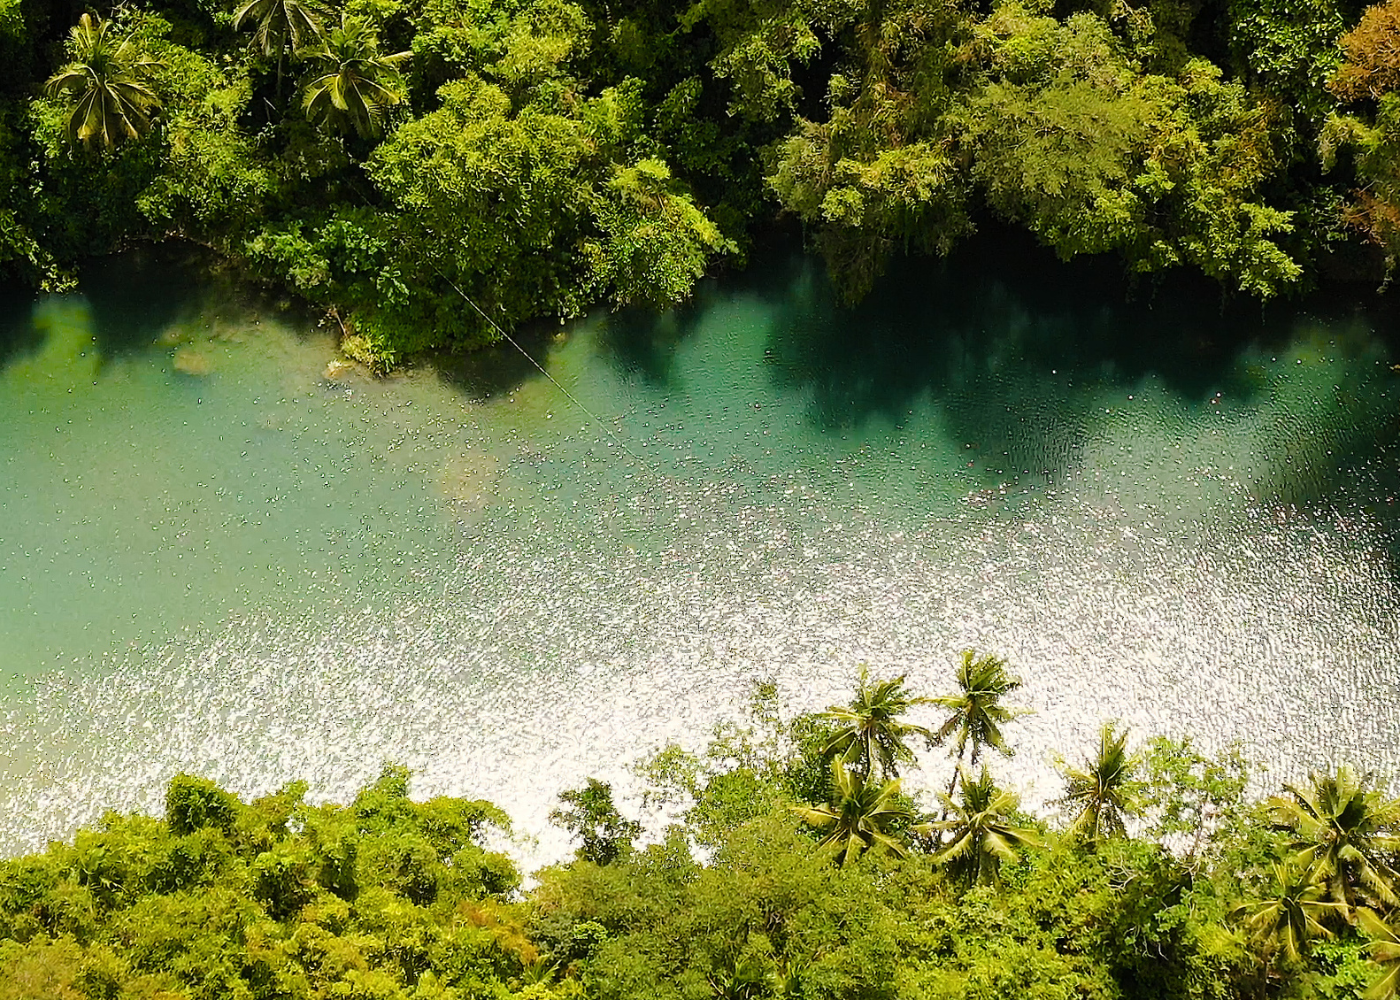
(978, 714)
(1290, 917)
(357, 85)
(870, 732)
(109, 76)
(1345, 831)
(279, 26)
(1385, 952)
(1103, 792)
(859, 816)
(982, 834)
(745, 978)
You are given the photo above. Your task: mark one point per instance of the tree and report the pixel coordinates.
(357, 85)
(981, 832)
(1290, 916)
(605, 833)
(109, 77)
(1290, 47)
(1371, 63)
(871, 732)
(1370, 71)
(195, 803)
(280, 26)
(1344, 831)
(1385, 952)
(859, 816)
(656, 241)
(978, 714)
(1104, 792)
(1190, 797)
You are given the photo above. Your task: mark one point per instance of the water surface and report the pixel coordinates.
(215, 557)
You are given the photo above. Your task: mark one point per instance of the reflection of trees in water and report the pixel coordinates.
(18, 333)
(136, 294)
(1012, 347)
(132, 298)
(1018, 351)
(638, 341)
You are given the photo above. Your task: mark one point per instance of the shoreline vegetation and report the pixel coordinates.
(372, 157)
(788, 862)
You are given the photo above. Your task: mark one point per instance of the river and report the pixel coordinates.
(1159, 507)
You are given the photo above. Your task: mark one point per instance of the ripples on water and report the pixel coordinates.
(1160, 512)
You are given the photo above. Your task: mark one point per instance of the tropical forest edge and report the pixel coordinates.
(784, 860)
(389, 163)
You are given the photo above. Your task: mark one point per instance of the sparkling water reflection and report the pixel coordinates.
(215, 557)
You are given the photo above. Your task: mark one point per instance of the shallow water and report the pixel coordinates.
(213, 557)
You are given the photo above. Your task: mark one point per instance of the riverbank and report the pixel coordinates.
(769, 881)
(530, 163)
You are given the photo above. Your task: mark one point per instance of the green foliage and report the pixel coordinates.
(655, 243)
(390, 898)
(1191, 797)
(457, 173)
(281, 28)
(1385, 952)
(195, 803)
(1344, 834)
(11, 19)
(1104, 792)
(870, 739)
(212, 179)
(1291, 915)
(882, 173)
(860, 815)
(107, 82)
(269, 899)
(356, 86)
(747, 771)
(981, 835)
(1290, 48)
(605, 834)
(976, 712)
(539, 157)
(1094, 156)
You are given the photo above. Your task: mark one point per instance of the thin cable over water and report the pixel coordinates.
(526, 354)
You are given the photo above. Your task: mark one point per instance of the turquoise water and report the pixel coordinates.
(218, 554)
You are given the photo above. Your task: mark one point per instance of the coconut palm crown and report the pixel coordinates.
(870, 732)
(859, 816)
(1291, 916)
(977, 712)
(280, 27)
(1385, 952)
(1103, 793)
(110, 79)
(981, 834)
(356, 85)
(1345, 831)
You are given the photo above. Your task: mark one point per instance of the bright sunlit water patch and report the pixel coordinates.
(215, 557)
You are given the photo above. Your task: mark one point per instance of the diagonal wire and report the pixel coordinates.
(526, 355)
(557, 384)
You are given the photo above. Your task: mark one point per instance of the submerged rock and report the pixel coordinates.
(192, 362)
(339, 368)
(470, 478)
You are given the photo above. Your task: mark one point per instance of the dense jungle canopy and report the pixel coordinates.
(787, 862)
(542, 156)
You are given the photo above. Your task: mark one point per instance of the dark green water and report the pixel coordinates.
(215, 557)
